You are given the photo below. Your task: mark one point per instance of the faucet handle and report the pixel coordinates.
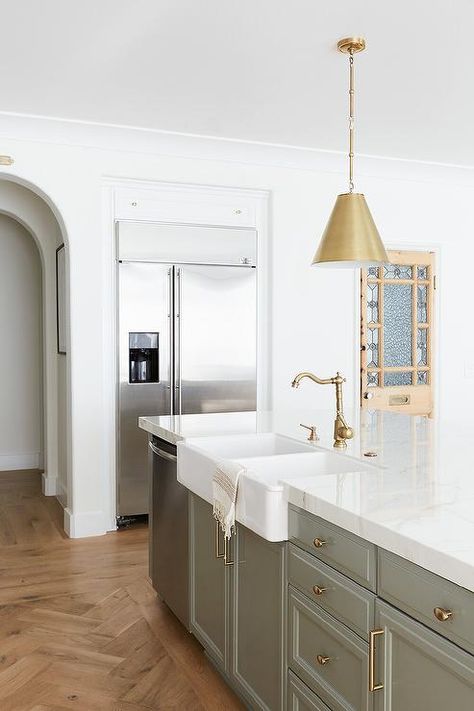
(313, 434)
(345, 432)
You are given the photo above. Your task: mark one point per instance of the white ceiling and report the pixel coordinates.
(260, 70)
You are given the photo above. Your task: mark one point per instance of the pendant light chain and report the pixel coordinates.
(351, 121)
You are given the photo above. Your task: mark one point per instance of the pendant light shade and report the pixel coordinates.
(351, 238)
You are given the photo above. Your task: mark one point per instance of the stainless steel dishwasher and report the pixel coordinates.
(168, 521)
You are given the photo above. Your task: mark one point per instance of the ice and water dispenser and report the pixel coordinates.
(143, 360)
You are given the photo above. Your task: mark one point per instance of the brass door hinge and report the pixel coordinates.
(434, 282)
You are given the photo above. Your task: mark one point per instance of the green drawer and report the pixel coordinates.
(327, 656)
(419, 592)
(347, 601)
(300, 698)
(344, 551)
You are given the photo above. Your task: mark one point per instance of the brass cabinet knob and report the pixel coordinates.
(322, 660)
(317, 590)
(441, 614)
(319, 543)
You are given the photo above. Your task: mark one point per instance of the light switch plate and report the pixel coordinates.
(469, 369)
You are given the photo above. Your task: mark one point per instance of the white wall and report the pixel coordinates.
(314, 312)
(21, 354)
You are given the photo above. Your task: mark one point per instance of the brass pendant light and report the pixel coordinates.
(351, 238)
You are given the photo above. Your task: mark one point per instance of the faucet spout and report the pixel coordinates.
(342, 431)
(306, 374)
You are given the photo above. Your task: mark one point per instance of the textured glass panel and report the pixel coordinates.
(373, 347)
(422, 346)
(422, 378)
(397, 327)
(372, 303)
(422, 272)
(421, 301)
(393, 378)
(373, 272)
(397, 271)
(372, 380)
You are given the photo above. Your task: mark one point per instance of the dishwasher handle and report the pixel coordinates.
(161, 453)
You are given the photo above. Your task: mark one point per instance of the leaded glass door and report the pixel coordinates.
(396, 333)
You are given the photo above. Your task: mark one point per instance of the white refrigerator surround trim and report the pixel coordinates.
(176, 203)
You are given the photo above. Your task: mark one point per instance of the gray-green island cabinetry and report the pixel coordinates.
(327, 621)
(238, 607)
(360, 638)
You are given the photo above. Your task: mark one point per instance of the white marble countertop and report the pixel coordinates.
(416, 500)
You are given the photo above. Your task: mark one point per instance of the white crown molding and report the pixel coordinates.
(129, 139)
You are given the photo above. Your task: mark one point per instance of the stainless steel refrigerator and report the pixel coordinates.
(187, 334)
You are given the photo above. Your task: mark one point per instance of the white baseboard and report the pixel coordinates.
(84, 524)
(49, 484)
(27, 460)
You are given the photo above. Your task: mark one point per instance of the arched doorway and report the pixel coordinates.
(21, 357)
(27, 213)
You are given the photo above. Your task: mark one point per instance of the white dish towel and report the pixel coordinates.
(225, 486)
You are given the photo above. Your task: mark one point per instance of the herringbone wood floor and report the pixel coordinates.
(80, 626)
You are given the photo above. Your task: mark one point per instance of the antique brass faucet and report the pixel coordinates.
(342, 431)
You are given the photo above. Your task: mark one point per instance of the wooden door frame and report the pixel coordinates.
(436, 336)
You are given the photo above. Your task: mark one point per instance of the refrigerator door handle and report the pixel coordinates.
(177, 340)
(171, 335)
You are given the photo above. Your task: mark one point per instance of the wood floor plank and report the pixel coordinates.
(58, 621)
(17, 675)
(80, 626)
(68, 653)
(164, 686)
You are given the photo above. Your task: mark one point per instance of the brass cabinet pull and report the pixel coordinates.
(441, 614)
(372, 635)
(323, 660)
(319, 543)
(226, 544)
(317, 590)
(218, 553)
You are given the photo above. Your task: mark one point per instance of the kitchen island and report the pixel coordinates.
(377, 569)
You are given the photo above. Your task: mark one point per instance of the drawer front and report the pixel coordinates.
(327, 656)
(419, 592)
(347, 553)
(300, 698)
(335, 593)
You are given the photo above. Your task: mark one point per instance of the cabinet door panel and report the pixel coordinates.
(327, 656)
(259, 620)
(420, 670)
(209, 589)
